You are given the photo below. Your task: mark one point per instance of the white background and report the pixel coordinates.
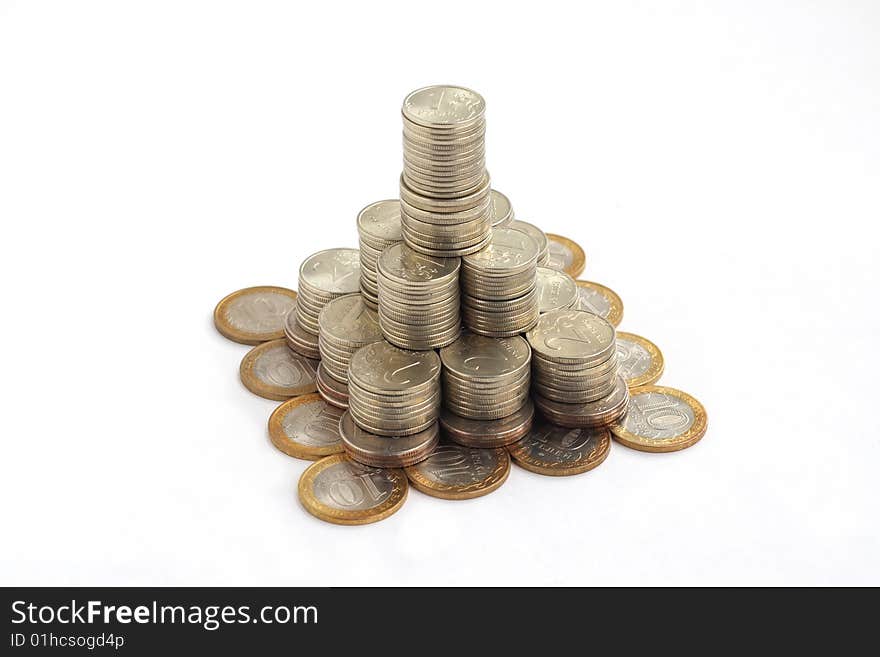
(720, 164)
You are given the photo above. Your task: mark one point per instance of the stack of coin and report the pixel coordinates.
(346, 324)
(446, 206)
(502, 210)
(538, 236)
(574, 369)
(378, 228)
(324, 276)
(418, 298)
(485, 378)
(499, 297)
(556, 290)
(298, 339)
(394, 392)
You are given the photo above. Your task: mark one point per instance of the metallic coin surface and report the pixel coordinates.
(384, 451)
(502, 210)
(598, 413)
(485, 434)
(555, 290)
(600, 300)
(565, 255)
(478, 357)
(382, 367)
(640, 361)
(509, 250)
(380, 221)
(400, 263)
(255, 314)
(455, 472)
(339, 490)
(273, 371)
(346, 319)
(334, 271)
(557, 451)
(442, 105)
(572, 335)
(536, 234)
(306, 427)
(661, 419)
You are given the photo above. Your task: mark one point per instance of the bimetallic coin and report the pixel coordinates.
(640, 361)
(273, 371)
(455, 472)
(255, 314)
(339, 490)
(557, 451)
(306, 427)
(661, 419)
(565, 255)
(555, 290)
(599, 300)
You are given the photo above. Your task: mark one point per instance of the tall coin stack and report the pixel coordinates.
(418, 298)
(446, 207)
(346, 324)
(498, 283)
(323, 276)
(574, 369)
(378, 228)
(485, 378)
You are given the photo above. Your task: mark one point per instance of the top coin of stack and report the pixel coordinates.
(446, 206)
(538, 235)
(502, 210)
(378, 228)
(499, 296)
(346, 324)
(323, 277)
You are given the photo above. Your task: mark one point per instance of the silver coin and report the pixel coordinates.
(597, 413)
(479, 357)
(335, 271)
(444, 106)
(381, 221)
(383, 367)
(509, 250)
(402, 264)
(572, 335)
(502, 210)
(346, 320)
(556, 290)
(534, 232)
(488, 433)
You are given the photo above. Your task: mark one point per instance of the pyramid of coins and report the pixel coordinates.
(454, 339)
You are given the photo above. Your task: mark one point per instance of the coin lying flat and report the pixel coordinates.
(339, 490)
(640, 361)
(502, 210)
(306, 427)
(661, 419)
(254, 314)
(565, 255)
(273, 371)
(597, 299)
(455, 472)
(557, 451)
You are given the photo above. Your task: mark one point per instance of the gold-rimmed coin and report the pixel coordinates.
(455, 472)
(639, 360)
(600, 300)
(345, 492)
(556, 451)
(254, 314)
(272, 370)
(306, 427)
(661, 419)
(565, 255)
